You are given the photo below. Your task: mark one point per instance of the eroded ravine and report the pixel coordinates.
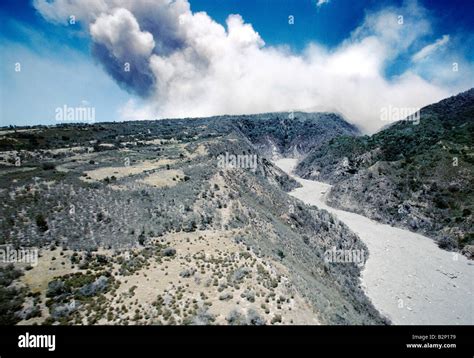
(407, 277)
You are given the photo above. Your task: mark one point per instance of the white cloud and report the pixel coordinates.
(187, 65)
(121, 34)
(322, 2)
(60, 11)
(429, 49)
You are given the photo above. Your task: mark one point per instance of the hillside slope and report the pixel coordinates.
(416, 176)
(140, 223)
(293, 135)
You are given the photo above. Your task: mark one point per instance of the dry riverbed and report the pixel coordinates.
(407, 277)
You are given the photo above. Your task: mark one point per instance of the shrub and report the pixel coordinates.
(48, 166)
(249, 295)
(202, 317)
(440, 202)
(41, 223)
(239, 274)
(142, 238)
(11, 299)
(8, 274)
(281, 254)
(235, 318)
(276, 319)
(226, 296)
(254, 319)
(169, 252)
(447, 243)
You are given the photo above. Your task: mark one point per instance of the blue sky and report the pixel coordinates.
(57, 66)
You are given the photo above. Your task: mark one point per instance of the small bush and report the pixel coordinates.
(48, 166)
(169, 252)
(41, 222)
(254, 319)
(235, 318)
(447, 243)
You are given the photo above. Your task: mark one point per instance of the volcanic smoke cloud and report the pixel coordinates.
(184, 64)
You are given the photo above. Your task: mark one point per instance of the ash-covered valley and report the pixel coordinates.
(189, 221)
